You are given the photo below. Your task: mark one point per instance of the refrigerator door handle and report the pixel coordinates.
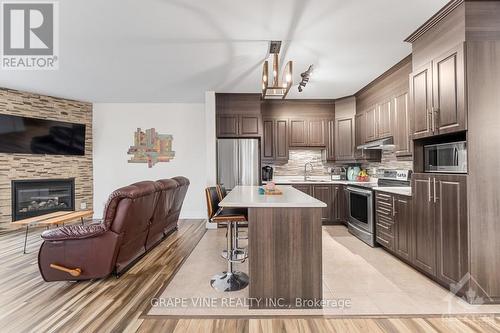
(238, 164)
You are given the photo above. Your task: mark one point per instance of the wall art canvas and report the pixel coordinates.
(151, 147)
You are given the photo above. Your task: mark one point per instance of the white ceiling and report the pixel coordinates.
(175, 50)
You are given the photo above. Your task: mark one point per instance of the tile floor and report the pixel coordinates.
(372, 280)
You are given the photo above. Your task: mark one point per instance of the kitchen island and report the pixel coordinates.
(284, 247)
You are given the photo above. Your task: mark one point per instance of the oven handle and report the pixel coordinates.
(359, 191)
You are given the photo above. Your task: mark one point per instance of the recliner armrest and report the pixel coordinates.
(74, 232)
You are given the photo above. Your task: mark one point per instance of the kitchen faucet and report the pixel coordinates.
(305, 170)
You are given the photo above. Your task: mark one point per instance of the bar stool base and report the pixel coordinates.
(229, 281)
(238, 256)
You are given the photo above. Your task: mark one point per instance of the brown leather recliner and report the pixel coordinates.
(136, 218)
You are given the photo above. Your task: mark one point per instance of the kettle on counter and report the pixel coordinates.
(353, 172)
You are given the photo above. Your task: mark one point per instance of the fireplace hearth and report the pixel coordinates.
(41, 196)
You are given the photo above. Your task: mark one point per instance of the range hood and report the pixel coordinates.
(382, 144)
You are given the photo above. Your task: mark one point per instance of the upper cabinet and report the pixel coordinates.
(371, 124)
(360, 128)
(330, 144)
(401, 130)
(275, 139)
(238, 115)
(382, 109)
(344, 139)
(420, 101)
(384, 119)
(448, 86)
(298, 132)
(437, 95)
(360, 138)
(308, 132)
(316, 132)
(296, 124)
(238, 126)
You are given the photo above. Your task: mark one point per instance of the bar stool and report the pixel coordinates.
(239, 252)
(228, 280)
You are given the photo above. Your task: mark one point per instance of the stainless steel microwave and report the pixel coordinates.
(446, 157)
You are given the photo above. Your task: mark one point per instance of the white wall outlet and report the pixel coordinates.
(83, 205)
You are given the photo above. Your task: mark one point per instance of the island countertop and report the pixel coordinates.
(248, 196)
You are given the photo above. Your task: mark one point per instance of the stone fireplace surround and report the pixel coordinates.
(25, 166)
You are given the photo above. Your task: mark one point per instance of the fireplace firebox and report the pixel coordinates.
(41, 196)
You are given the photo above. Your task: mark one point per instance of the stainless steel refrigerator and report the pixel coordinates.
(238, 162)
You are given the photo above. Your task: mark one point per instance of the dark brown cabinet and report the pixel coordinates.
(268, 135)
(274, 139)
(402, 138)
(298, 132)
(440, 225)
(324, 193)
(420, 101)
(307, 132)
(394, 223)
(249, 125)
(233, 125)
(227, 125)
(384, 220)
(448, 85)
(371, 124)
(424, 229)
(339, 211)
(238, 115)
(330, 144)
(316, 133)
(403, 223)
(359, 139)
(281, 140)
(437, 95)
(384, 120)
(360, 128)
(334, 195)
(307, 189)
(344, 139)
(451, 222)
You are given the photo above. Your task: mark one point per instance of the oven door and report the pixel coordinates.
(361, 208)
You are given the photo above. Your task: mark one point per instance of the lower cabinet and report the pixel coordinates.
(324, 193)
(403, 223)
(307, 189)
(334, 195)
(339, 204)
(429, 229)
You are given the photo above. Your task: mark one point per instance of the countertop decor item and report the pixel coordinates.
(270, 189)
(353, 172)
(151, 147)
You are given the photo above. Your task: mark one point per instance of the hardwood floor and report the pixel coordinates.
(28, 304)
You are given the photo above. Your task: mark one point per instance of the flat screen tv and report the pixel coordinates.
(25, 135)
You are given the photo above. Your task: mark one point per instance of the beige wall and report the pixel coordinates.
(23, 166)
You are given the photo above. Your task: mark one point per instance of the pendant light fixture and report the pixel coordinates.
(275, 89)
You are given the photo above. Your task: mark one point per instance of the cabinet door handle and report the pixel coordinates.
(393, 206)
(429, 189)
(436, 118)
(435, 195)
(432, 120)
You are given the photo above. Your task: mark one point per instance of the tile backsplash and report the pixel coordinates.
(299, 157)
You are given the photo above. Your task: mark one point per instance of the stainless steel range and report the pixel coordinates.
(361, 202)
